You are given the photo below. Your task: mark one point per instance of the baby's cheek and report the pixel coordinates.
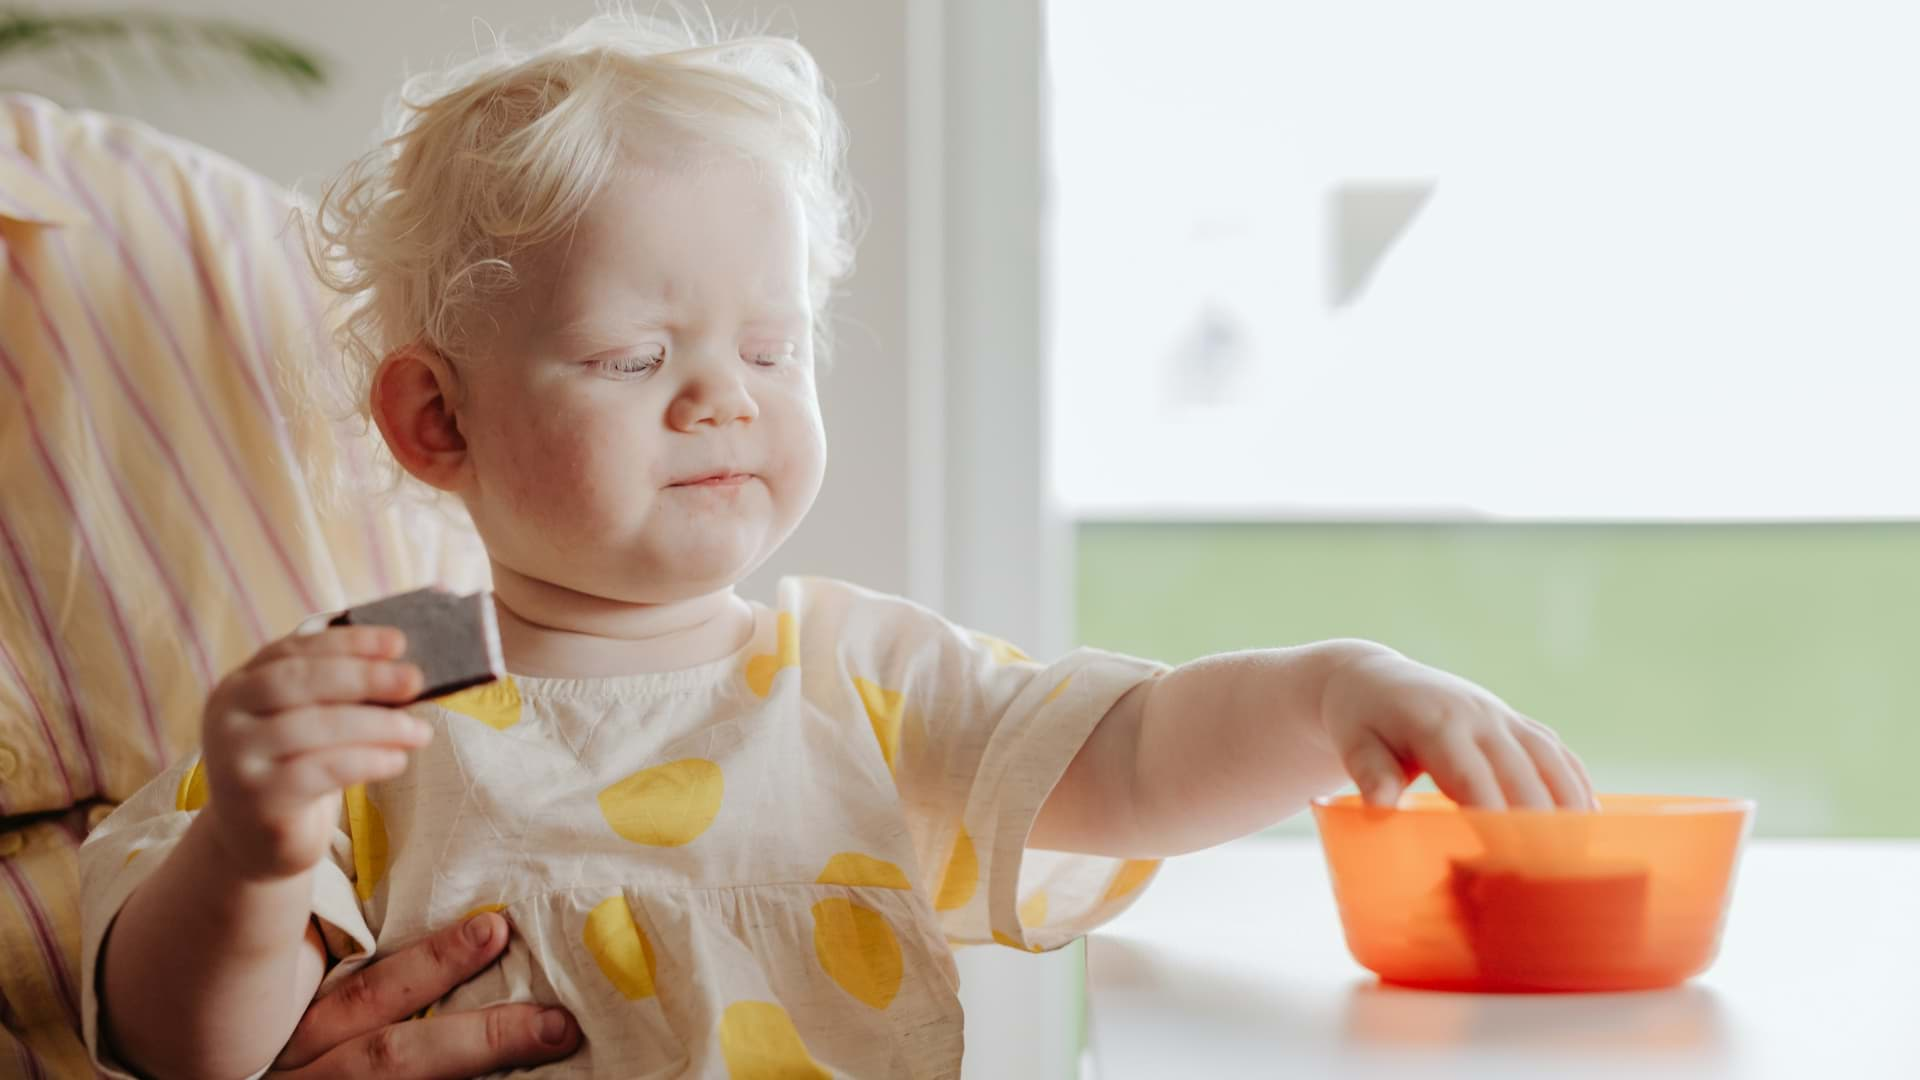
(582, 475)
(559, 471)
(800, 444)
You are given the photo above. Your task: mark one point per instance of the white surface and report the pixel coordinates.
(1233, 965)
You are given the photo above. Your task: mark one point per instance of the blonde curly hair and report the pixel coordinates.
(504, 151)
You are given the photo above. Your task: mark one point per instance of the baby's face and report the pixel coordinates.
(645, 428)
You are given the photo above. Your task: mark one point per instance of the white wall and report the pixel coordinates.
(859, 527)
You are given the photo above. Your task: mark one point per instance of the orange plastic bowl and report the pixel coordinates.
(1630, 898)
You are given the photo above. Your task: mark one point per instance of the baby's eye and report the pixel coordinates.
(771, 355)
(634, 364)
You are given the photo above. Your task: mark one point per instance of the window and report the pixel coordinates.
(1572, 350)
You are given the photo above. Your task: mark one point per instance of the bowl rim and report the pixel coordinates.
(1668, 806)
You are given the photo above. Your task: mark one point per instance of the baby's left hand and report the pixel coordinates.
(1390, 719)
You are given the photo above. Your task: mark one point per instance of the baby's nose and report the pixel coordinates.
(713, 400)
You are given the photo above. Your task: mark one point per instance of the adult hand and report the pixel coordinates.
(361, 1028)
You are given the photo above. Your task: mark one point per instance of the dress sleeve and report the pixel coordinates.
(976, 735)
(137, 837)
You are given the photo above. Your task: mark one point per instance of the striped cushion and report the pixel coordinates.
(159, 512)
(40, 949)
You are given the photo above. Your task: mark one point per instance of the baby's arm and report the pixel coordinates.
(1229, 744)
(204, 972)
(211, 962)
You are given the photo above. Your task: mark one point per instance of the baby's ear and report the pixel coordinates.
(412, 402)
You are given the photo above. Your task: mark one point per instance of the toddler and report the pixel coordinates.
(588, 285)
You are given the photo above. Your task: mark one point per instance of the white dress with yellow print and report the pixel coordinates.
(753, 868)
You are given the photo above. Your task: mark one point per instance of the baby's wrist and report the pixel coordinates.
(210, 898)
(1337, 660)
(225, 856)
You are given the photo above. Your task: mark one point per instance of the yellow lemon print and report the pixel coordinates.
(858, 949)
(667, 805)
(759, 1041)
(786, 653)
(369, 835)
(883, 712)
(961, 877)
(495, 704)
(193, 789)
(1133, 874)
(1034, 911)
(1056, 691)
(1003, 653)
(1012, 944)
(852, 868)
(620, 947)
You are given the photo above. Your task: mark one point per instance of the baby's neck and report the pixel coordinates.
(548, 632)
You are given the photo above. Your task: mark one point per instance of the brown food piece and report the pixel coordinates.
(1572, 929)
(451, 638)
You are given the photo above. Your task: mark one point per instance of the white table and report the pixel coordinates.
(1233, 965)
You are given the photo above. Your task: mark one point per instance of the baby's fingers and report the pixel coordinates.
(316, 727)
(1564, 774)
(320, 772)
(1461, 770)
(294, 681)
(1518, 772)
(371, 642)
(1375, 769)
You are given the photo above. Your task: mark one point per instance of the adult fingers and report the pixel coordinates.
(451, 1046)
(396, 987)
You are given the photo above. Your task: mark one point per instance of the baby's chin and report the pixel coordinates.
(662, 556)
(660, 577)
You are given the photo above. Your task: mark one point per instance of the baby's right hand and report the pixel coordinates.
(283, 734)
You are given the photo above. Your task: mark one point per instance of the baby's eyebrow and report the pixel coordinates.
(777, 314)
(616, 327)
(628, 318)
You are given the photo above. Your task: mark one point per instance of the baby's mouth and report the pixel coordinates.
(721, 478)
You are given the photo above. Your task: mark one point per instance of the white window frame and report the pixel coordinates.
(986, 549)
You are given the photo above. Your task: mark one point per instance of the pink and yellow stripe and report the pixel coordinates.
(157, 524)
